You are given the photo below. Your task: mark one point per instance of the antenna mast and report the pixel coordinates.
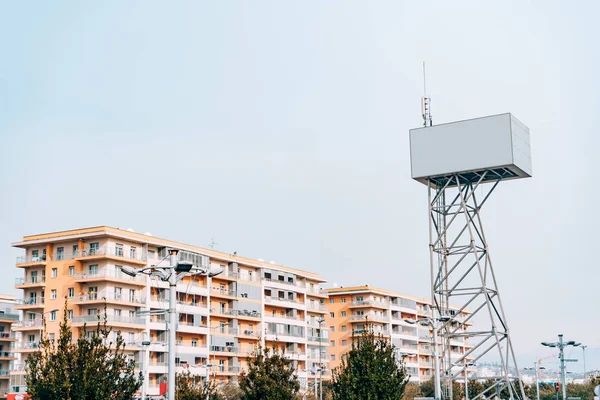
(425, 103)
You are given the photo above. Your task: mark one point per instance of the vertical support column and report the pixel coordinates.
(172, 325)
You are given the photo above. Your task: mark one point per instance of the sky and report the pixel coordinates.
(280, 129)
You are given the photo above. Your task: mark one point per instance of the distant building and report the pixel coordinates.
(8, 316)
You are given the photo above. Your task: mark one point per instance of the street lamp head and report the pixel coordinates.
(129, 271)
(444, 319)
(548, 344)
(410, 321)
(184, 266)
(542, 368)
(216, 271)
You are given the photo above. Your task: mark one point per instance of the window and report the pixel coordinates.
(118, 291)
(331, 301)
(93, 269)
(343, 328)
(117, 312)
(71, 270)
(92, 311)
(51, 338)
(35, 254)
(119, 250)
(332, 343)
(52, 315)
(333, 357)
(54, 272)
(344, 357)
(75, 250)
(131, 314)
(131, 337)
(344, 342)
(53, 294)
(332, 315)
(194, 342)
(60, 253)
(343, 299)
(31, 338)
(70, 314)
(151, 254)
(343, 313)
(332, 328)
(268, 276)
(132, 252)
(179, 340)
(94, 247)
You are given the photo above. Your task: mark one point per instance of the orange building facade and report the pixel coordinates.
(352, 309)
(221, 319)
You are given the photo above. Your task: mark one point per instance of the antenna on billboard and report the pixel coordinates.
(425, 103)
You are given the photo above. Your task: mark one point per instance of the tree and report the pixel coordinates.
(93, 367)
(230, 391)
(370, 370)
(193, 387)
(270, 376)
(411, 390)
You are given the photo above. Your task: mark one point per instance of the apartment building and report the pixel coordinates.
(8, 316)
(351, 309)
(221, 318)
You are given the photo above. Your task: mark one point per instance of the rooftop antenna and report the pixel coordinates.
(425, 103)
(213, 243)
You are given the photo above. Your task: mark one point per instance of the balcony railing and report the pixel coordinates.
(31, 259)
(32, 280)
(7, 354)
(111, 297)
(7, 335)
(369, 316)
(317, 307)
(225, 330)
(367, 302)
(32, 301)
(318, 339)
(110, 251)
(9, 315)
(270, 299)
(296, 283)
(31, 323)
(223, 291)
(192, 323)
(109, 274)
(224, 349)
(120, 319)
(25, 345)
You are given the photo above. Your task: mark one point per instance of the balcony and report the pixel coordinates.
(33, 302)
(283, 282)
(8, 316)
(224, 330)
(104, 275)
(21, 347)
(7, 355)
(110, 320)
(318, 339)
(222, 292)
(370, 317)
(114, 253)
(28, 325)
(31, 261)
(32, 281)
(224, 349)
(370, 303)
(109, 298)
(318, 307)
(270, 299)
(7, 336)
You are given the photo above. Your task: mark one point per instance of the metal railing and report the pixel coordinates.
(223, 291)
(7, 354)
(25, 345)
(31, 323)
(32, 280)
(111, 297)
(295, 283)
(109, 318)
(317, 307)
(32, 301)
(367, 302)
(269, 299)
(31, 259)
(224, 349)
(110, 251)
(7, 335)
(109, 274)
(369, 316)
(9, 315)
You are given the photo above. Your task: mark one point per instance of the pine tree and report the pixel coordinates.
(194, 387)
(370, 370)
(270, 376)
(92, 367)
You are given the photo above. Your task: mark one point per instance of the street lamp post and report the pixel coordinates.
(320, 321)
(561, 345)
(176, 270)
(536, 369)
(583, 347)
(434, 324)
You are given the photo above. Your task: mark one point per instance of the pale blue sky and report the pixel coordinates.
(281, 129)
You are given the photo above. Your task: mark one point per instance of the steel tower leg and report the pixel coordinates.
(462, 279)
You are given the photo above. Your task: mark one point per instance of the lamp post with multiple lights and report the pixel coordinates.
(537, 377)
(435, 324)
(172, 274)
(561, 345)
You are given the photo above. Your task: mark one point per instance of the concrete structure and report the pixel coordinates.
(221, 319)
(352, 308)
(8, 316)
